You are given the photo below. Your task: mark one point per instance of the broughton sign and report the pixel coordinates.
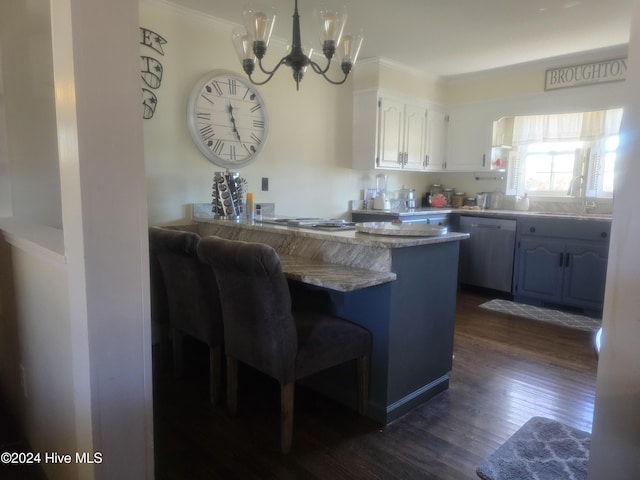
(586, 74)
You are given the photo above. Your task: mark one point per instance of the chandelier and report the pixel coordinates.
(251, 43)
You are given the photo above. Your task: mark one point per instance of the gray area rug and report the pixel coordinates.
(542, 449)
(558, 317)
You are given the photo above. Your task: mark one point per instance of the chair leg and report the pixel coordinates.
(177, 353)
(232, 385)
(215, 362)
(286, 416)
(363, 384)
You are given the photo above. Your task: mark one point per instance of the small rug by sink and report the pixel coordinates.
(558, 317)
(542, 449)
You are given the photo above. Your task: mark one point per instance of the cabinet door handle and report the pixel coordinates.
(399, 158)
(561, 260)
(484, 159)
(566, 260)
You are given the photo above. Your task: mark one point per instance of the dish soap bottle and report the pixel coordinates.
(250, 208)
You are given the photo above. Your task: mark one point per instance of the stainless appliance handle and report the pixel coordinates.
(482, 225)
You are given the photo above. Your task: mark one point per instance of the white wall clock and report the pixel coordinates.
(227, 119)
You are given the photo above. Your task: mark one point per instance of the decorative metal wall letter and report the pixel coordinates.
(151, 70)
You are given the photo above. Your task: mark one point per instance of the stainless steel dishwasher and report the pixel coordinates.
(486, 257)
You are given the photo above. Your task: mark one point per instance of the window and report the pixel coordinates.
(564, 154)
(550, 167)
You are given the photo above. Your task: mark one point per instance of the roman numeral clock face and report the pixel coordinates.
(227, 119)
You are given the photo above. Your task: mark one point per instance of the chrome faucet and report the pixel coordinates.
(575, 186)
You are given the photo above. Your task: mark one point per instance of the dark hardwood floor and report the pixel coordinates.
(506, 370)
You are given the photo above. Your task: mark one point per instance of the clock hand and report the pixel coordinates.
(233, 121)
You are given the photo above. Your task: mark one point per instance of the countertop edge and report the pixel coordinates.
(350, 236)
(331, 275)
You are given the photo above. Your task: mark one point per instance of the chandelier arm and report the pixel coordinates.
(275, 69)
(260, 83)
(269, 74)
(339, 82)
(318, 69)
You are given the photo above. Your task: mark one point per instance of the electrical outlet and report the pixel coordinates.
(23, 381)
(265, 184)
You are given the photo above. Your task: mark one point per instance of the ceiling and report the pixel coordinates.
(453, 37)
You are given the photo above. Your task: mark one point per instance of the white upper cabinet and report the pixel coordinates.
(469, 138)
(394, 134)
(436, 140)
(416, 134)
(469, 142)
(391, 135)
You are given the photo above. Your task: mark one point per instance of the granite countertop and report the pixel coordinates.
(348, 236)
(331, 275)
(339, 260)
(489, 213)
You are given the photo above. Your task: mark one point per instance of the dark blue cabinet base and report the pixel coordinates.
(412, 322)
(562, 264)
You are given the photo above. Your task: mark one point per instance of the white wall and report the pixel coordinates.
(308, 154)
(526, 80)
(35, 331)
(49, 415)
(29, 111)
(615, 447)
(98, 123)
(80, 328)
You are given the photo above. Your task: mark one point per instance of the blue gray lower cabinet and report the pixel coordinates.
(412, 322)
(562, 263)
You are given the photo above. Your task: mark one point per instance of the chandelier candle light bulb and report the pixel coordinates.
(260, 26)
(351, 47)
(329, 25)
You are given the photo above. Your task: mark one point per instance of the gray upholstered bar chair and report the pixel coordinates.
(262, 331)
(193, 298)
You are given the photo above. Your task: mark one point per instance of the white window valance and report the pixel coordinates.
(583, 126)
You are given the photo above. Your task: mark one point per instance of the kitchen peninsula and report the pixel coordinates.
(401, 288)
